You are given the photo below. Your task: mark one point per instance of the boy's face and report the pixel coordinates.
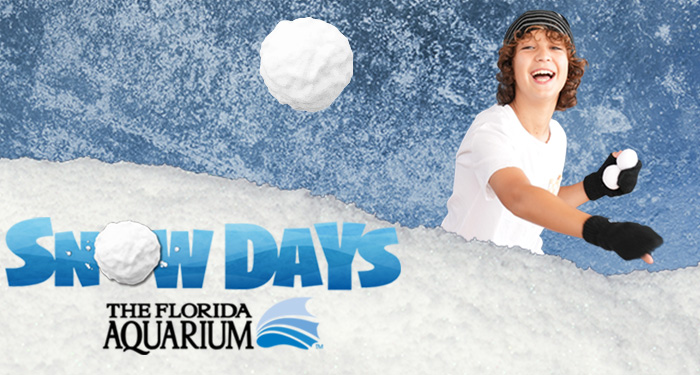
(540, 66)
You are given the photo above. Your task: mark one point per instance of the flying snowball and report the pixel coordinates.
(306, 63)
(127, 252)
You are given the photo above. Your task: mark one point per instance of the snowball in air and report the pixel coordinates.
(306, 63)
(127, 252)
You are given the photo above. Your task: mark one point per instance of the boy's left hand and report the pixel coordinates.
(595, 188)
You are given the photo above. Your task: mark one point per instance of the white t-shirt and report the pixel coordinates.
(494, 141)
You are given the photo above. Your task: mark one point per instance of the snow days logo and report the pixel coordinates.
(253, 257)
(127, 253)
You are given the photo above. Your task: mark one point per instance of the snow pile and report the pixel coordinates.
(456, 308)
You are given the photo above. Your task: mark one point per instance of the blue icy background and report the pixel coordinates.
(177, 83)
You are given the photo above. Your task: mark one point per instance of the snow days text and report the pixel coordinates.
(252, 256)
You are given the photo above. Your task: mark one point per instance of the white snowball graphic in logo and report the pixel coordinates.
(127, 252)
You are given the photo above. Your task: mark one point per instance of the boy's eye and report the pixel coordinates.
(558, 46)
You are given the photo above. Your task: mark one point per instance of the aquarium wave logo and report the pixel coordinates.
(288, 323)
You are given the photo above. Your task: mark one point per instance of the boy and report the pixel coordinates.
(509, 165)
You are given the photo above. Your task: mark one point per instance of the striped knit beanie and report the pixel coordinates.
(547, 18)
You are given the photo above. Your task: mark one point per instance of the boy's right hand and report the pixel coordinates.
(628, 240)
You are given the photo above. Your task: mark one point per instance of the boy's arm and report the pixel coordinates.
(573, 195)
(535, 204)
(541, 207)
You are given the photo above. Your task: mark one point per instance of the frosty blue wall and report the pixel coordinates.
(177, 83)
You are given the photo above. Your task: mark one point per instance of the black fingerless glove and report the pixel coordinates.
(628, 240)
(595, 188)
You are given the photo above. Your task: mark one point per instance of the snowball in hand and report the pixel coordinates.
(627, 159)
(610, 176)
(306, 63)
(127, 252)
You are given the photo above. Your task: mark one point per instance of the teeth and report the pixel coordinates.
(546, 72)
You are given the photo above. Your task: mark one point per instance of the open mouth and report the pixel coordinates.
(543, 75)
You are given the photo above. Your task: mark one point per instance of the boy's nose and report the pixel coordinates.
(543, 55)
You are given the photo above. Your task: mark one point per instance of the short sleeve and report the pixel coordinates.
(485, 150)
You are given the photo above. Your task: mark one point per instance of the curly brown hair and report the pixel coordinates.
(506, 77)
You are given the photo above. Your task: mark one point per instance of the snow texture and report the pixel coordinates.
(457, 308)
(177, 82)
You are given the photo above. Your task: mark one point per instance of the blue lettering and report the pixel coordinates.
(297, 241)
(264, 259)
(339, 253)
(386, 265)
(70, 256)
(251, 254)
(39, 263)
(177, 257)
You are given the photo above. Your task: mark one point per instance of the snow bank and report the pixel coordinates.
(456, 308)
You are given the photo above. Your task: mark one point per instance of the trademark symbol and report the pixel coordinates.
(318, 346)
